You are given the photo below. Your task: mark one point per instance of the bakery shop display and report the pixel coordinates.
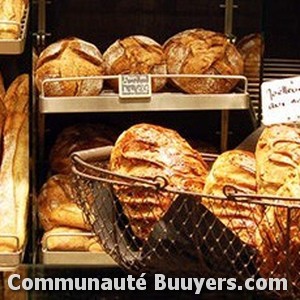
(278, 174)
(235, 168)
(70, 57)
(11, 11)
(70, 239)
(136, 55)
(56, 204)
(78, 137)
(146, 151)
(251, 47)
(199, 51)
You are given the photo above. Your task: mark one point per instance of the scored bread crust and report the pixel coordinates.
(278, 174)
(199, 51)
(136, 55)
(70, 57)
(147, 151)
(235, 168)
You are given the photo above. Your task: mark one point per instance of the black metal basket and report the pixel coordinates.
(188, 240)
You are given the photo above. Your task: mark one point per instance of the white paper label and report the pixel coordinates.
(135, 86)
(281, 101)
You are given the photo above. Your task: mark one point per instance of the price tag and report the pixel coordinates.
(135, 86)
(281, 101)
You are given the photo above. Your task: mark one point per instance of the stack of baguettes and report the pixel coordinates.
(11, 14)
(14, 169)
(61, 218)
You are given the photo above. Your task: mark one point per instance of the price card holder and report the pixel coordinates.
(133, 86)
(281, 101)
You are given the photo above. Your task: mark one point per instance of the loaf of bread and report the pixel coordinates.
(278, 174)
(75, 138)
(251, 47)
(17, 96)
(14, 182)
(235, 168)
(56, 204)
(70, 239)
(147, 151)
(11, 11)
(199, 51)
(136, 55)
(66, 58)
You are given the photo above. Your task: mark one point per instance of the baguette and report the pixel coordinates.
(17, 96)
(14, 185)
(11, 11)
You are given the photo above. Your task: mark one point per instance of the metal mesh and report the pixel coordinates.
(188, 239)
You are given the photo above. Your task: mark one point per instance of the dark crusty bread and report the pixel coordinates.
(136, 55)
(199, 51)
(78, 137)
(70, 57)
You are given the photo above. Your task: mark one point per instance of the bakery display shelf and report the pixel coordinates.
(108, 101)
(55, 257)
(15, 46)
(11, 260)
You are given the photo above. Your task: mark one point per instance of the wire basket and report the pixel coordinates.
(188, 240)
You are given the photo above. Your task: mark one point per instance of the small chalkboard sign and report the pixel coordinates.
(281, 101)
(135, 86)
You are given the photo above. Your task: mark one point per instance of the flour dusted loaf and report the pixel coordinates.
(78, 137)
(70, 57)
(136, 55)
(56, 204)
(199, 51)
(147, 151)
(236, 168)
(11, 11)
(278, 174)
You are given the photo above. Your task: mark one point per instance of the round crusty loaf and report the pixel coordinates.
(70, 57)
(251, 47)
(55, 204)
(136, 55)
(75, 138)
(199, 51)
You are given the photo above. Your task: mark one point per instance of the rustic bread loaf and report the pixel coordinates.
(14, 181)
(199, 51)
(56, 206)
(147, 151)
(11, 11)
(69, 239)
(2, 88)
(66, 58)
(136, 55)
(251, 47)
(278, 174)
(75, 138)
(235, 168)
(17, 96)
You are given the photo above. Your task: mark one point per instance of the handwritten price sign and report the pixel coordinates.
(281, 101)
(135, 86)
